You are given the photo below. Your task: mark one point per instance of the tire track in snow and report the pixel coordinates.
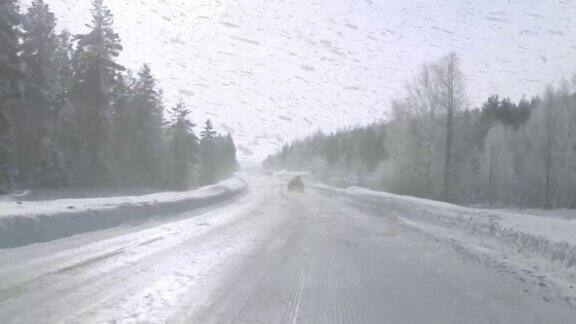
(298, 296)
(105, 281)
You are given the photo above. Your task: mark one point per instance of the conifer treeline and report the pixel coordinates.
(503, 153)
(72, 116)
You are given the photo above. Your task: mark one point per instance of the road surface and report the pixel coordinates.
(266, 257)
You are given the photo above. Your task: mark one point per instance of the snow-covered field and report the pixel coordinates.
(266, 70)
(25, 222)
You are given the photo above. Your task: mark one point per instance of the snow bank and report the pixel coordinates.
(23, 223)
(553, 238)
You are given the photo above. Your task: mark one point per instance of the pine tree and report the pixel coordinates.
(230, 160)
(10, 70)
(147, 132)
(208, 132)
(37, 117)
(184, 148)
(64, 54)
(208, 154)
(69, 115)
(10, 76)
(123, 128)
(94, 75)
(39, 47)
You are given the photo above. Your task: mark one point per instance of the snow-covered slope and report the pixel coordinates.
(273, 70)
(27, 222)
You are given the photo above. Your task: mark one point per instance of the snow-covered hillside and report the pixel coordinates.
(270, 71)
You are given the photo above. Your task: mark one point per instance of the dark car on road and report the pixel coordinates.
(296, 185)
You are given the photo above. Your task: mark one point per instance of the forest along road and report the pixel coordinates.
(266, 257)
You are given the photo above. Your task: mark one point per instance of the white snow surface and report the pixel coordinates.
(270, 71)
(556, 229)
(270, 256)
(537, 249)
(552, 237)
(27, 222)
(32, 209)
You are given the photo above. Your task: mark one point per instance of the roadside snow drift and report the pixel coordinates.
(551, 238)
(23, 223)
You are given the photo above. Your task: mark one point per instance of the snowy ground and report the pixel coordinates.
(535, 247)
(267, 70)
(25, 222)
(327, 256)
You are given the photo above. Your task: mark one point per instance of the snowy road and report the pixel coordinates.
(266, 257)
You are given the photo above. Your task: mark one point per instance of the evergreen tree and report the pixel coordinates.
(123, 128)
(225, 157)
(184, 148)
(147, 132)
(94, 76)
(71, 116)
(39, 47)
(10, 76)
(230, 160)
(64, 55)
(208, 132)
(10, 69)
(37, 118)
(208, 154)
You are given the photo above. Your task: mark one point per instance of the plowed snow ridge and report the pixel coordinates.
(29, 222)
(551, 238)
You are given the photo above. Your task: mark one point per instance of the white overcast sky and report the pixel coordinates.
(270, 71)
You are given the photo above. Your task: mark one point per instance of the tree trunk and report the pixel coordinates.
(549, 143)
(491, 179)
